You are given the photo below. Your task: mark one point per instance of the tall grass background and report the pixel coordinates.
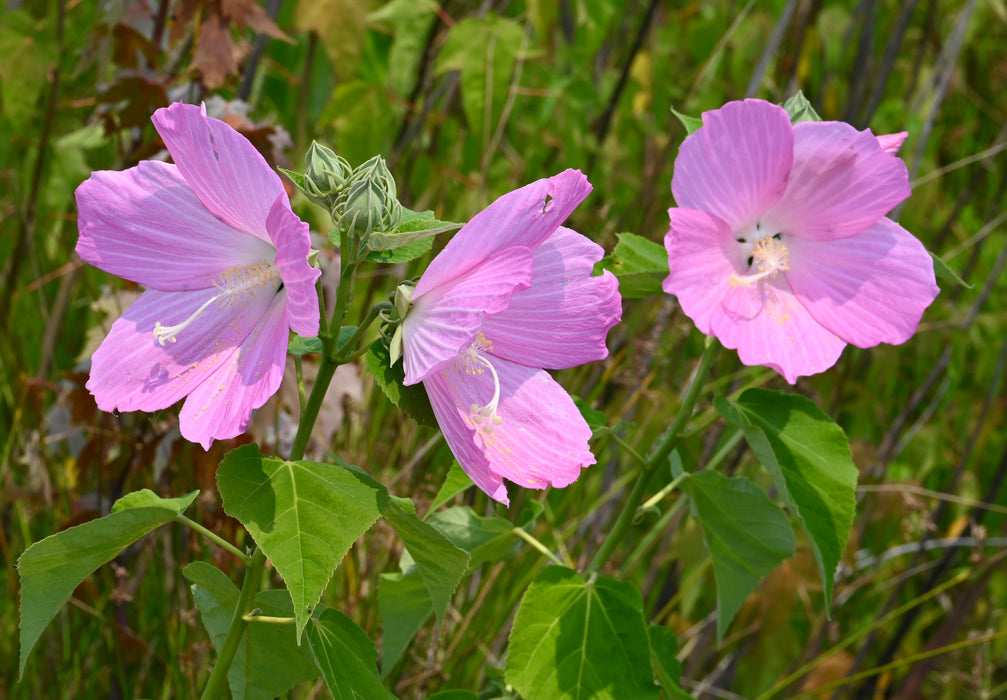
(588, 84)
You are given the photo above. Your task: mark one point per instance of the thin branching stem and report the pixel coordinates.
(660, 454)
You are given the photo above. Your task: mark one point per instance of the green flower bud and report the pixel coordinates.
(325, 173)
(368, 202)
(391, 319)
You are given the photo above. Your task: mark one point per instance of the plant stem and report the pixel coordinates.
(214, 537)
(266, 619)
(352, 341)
(249, 587)
(530, 539)
(330, 344)
(311, 409)
(664, 447)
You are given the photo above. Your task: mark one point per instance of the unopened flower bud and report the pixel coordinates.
(325, 173)
(368, 202)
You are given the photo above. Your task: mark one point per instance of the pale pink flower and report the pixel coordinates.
(224, 260)
(780, 246)
(510, 294)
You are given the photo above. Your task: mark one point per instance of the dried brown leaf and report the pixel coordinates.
(248, 13)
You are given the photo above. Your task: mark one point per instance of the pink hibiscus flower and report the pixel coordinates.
(224, 260)
(510, 294)
(780, 247)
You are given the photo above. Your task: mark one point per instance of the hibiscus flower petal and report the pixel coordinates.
(541, 440)
(736, 165)
(461, 436)
(867, 289)
(524, 217)
(146, 225)
(701, 258)
(768, 326)
(292, 239)
(221, 405)
(229, 176)
(842, 182)
(131, 371)
(892, 143)
(562, 319)
(444, 322)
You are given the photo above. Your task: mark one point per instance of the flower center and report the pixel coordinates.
(474, 361)
(236, 286)
(769, 256)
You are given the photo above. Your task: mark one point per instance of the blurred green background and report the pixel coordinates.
(468, 100)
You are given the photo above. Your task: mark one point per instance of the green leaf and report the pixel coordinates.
(485, 51)
(454, 695)
(399, 11)
(667, 668)
(800, 110)
(346, 657)
(304, 516)
(52, 568)
(747, 534)
(145, 498)
(485, 539)
(405, 606)
(268, 662)
(942, 270)
(691, 124)
(307, 346)
(27, 53)
(399, 251)
(639, 264)
(411, 399)
(574, 640)
(809, 458)
(440, 562)
(414, 226)
(455, 482)
(410, 22)
(597, 420)
(304, 346)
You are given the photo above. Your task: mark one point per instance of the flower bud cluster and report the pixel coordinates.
(369, 200)
(361, 199)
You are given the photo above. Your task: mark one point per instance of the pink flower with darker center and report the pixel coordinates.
(780, 246)
(224, 260)
(512, 293)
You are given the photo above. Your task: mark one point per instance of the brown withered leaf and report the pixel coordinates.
(137, 95)
(183, 12)
(129, 45)
(248, 13)
(216, 55)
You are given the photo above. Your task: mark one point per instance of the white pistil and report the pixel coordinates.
(769, 256)
(474, 362)
(236, 285)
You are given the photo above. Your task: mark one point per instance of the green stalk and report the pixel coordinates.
(351, 343)
(307, 423)
(209, 534)
(664, 447)
(329, 336)
(249, 587)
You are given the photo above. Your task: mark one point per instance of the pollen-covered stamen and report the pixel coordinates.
(236, 286)
(474, 361)
(769, 256)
